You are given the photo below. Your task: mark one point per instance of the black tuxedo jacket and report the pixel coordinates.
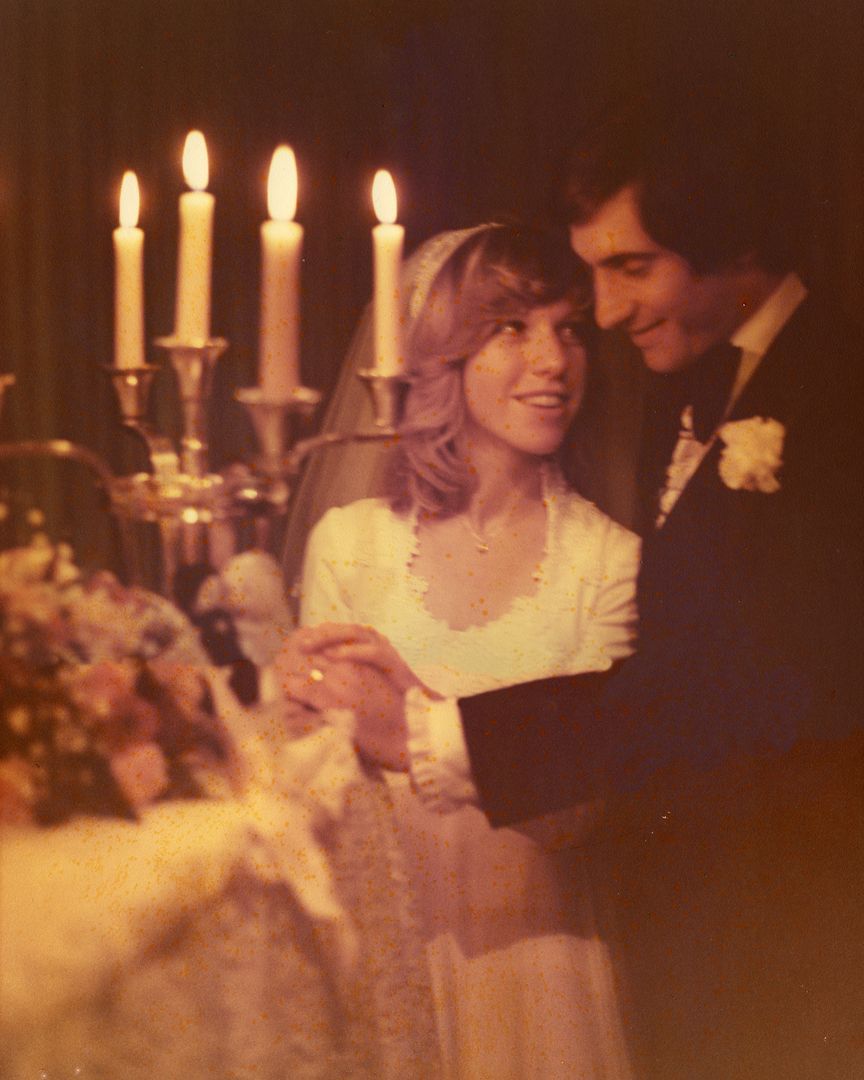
(728, 748)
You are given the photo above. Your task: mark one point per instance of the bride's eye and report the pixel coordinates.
(572, 332)
(510, 327)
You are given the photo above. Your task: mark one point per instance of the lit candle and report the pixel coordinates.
(129, 279)
(387, 239)
(281, 244)
(192, 313)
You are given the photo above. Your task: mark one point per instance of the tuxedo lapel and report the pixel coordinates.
(782, 385)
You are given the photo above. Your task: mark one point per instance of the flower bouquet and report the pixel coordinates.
(104, 706)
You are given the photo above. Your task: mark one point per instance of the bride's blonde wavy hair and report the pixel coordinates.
(454, 307)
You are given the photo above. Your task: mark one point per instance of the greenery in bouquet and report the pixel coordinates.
(104, 707)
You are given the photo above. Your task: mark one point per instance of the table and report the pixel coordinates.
(270, 936)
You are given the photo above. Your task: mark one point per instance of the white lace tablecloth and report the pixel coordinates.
(269, 936)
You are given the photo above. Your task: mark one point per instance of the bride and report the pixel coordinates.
(482, 568)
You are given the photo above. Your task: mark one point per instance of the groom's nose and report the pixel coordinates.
(612, 306)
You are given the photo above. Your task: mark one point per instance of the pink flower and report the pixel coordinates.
(106, 692)
(183, 681)
(104, 688)
(141, 773)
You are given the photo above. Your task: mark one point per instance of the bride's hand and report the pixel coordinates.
(372, 685)
(357, 644)
(363, 645)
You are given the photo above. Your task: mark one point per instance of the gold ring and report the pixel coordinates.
(316, 675)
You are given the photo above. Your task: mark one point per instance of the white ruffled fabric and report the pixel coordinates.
(218, 937)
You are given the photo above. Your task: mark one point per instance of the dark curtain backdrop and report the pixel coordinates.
(469, 104)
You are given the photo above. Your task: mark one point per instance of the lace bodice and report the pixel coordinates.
(580, 616)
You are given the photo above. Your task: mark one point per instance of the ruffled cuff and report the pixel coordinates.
(439, 765)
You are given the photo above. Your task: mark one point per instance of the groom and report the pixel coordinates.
(728, 749)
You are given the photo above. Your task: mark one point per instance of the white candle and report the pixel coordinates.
(129, 279)
(281, 245)
(387, 240)
(194, 253)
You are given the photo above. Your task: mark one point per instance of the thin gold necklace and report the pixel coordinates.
(480, 542)
(483, 542)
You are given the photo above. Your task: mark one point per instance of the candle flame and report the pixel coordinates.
(282, 185)
(196, 167)
(130, 201)
(384, 197)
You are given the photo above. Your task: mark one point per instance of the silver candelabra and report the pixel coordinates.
(202, 515)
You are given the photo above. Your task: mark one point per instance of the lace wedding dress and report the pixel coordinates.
(523, 985)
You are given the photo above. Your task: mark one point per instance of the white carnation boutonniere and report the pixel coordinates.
(752, 455)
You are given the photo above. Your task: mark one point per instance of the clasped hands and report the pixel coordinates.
(339, 666)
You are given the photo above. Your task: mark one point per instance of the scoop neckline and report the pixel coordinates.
(418, 587)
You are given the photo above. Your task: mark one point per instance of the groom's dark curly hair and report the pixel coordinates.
(709, 171)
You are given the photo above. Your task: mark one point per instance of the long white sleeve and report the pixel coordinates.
(323, 597)
(610, 630)
(438, 756)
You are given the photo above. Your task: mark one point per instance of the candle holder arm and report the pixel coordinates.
(305, 447)
(164, 459)
(63, 450)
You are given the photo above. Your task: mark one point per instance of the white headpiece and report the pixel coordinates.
(432, 257)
